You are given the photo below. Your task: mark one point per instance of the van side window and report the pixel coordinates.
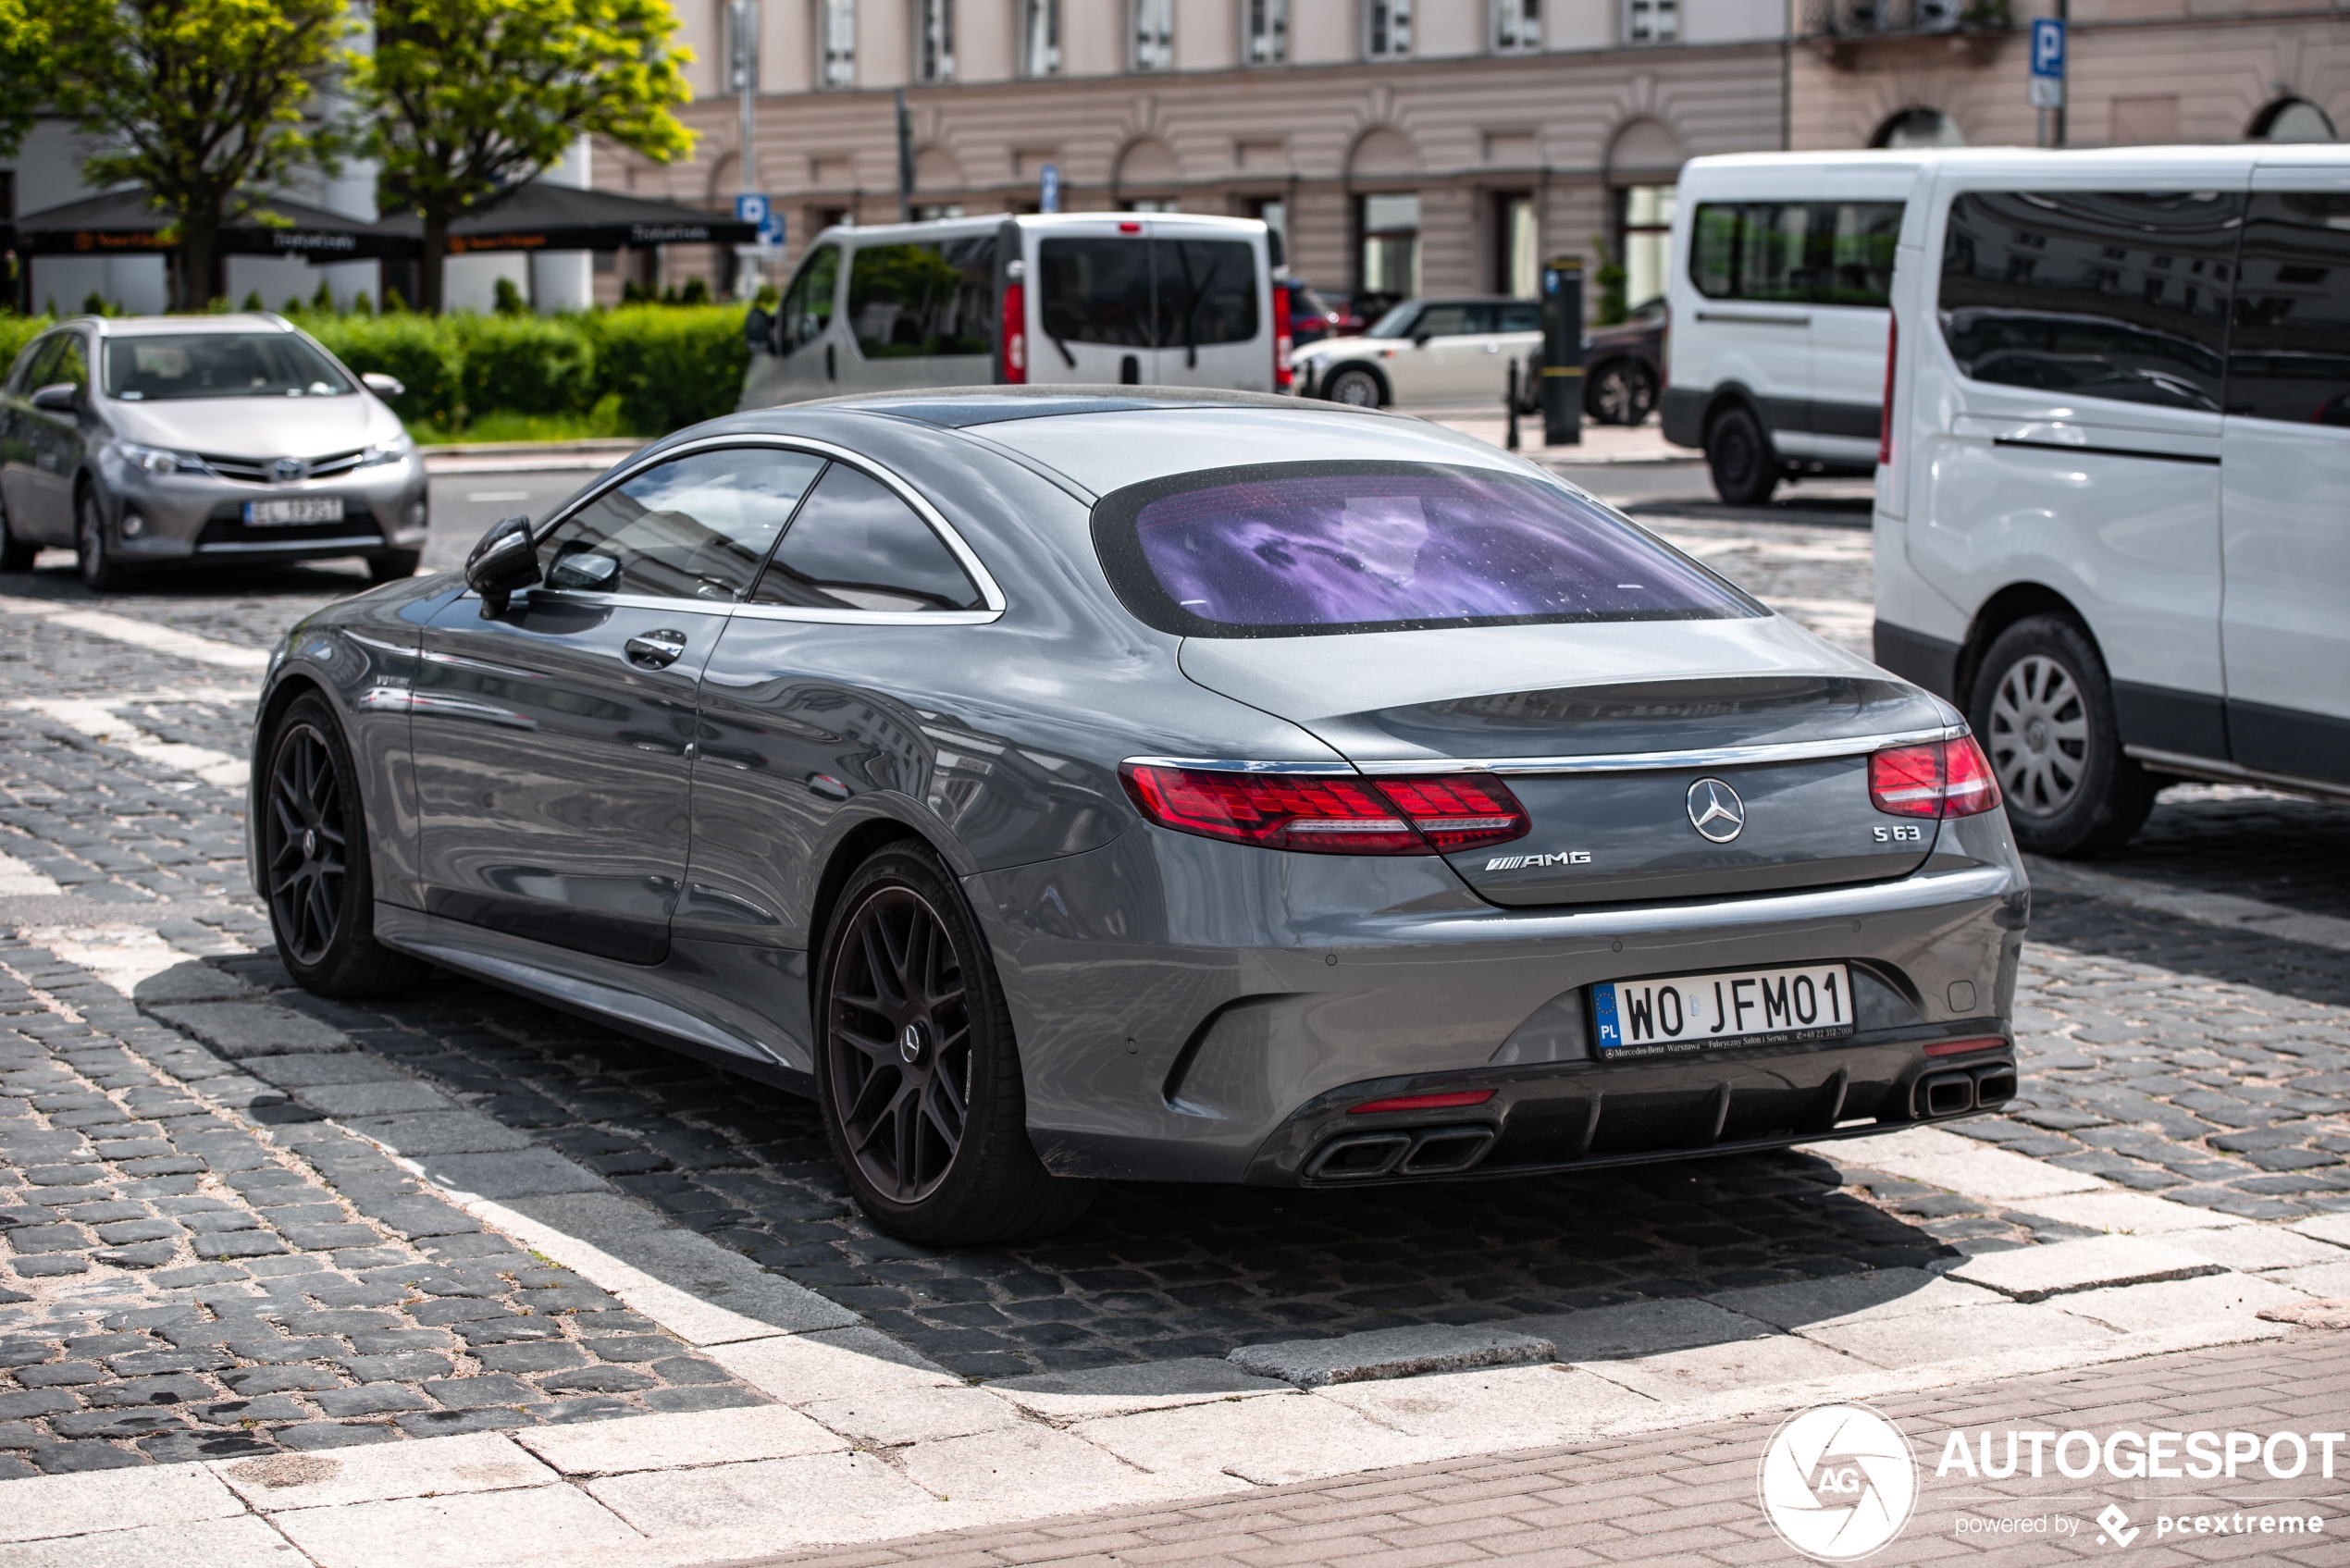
(906, 300)
(807, 309)
(2289, 356)
(1796, 253)
(1097, 290)
(855, 546)
(2120, 295)
(1206, 291)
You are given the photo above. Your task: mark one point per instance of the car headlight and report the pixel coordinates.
(400, 446)
(157, 460)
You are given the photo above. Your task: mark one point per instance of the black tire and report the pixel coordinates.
(1621, 392)
(1357, 385)
(94, 557)
(2043, 711)
(394, 566)
(1746, 468)
(16, 554)
(916, 1071)
(317, 871)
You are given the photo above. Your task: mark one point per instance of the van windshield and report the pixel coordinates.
(1306, 548)
(219, 364)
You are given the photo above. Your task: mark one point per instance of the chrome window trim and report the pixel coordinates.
(990, 594)
(1660, 761)
(1336, 768)
(818, 616)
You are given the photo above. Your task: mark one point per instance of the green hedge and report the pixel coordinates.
(666, 366)
(16, 331)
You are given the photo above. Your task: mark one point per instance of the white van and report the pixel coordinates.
(2111, 518)
(1163, 299)
(1776, 289)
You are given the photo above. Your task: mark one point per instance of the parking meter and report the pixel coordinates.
(1563, 352)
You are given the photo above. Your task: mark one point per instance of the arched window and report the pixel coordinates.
(2292, 120)
(1918, 127)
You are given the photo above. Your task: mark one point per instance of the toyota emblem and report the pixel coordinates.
(1715, 810)
(286, 470)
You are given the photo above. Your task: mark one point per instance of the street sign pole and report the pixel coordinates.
(2046, 85)
(744, 66)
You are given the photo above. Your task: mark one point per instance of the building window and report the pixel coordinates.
(1651, 22)
(2293, 119)
(1391, 249)
(837, 42)
(1040, 37)
(1387, 29)
(1517, 25)
(1644, 227)
(1918, 127)
(1516, 246)
(1154, 34)
(1151, 204)
(1266, 25)
(936, 41)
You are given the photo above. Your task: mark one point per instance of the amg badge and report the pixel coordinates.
(1520, 862)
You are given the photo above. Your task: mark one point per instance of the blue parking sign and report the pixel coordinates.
(1048, 189)
(2047, 47)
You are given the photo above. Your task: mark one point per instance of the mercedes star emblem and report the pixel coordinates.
(1715, 810)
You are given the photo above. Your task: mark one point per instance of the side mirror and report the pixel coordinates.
(59, 396)
(503, 563)
(384, 387)
(758, 330)
(1419, 339)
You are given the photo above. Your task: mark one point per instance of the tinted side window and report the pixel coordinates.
(1206, 291)
(694, 529)
(2289, 356)
(857, 546)
(1443, 321)
(72, 362)
(1796, 253)
(2093, 294)
(807, 309)
(920, 300)
(1521, 318)
(1097, 290)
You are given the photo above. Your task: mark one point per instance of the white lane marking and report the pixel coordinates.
(97, 720)
(2206, 909)
(21, 881)
(140, 633)
(122, 956)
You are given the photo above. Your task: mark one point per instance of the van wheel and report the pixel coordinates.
(1746, 469)
(1356, 387)
(2043, 710)
(917, 1071)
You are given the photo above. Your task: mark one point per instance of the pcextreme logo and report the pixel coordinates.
(1837, 1482)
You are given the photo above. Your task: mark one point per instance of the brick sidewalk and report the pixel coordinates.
(1689, 1496)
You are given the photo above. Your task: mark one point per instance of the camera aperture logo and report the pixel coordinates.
(1837, 1482)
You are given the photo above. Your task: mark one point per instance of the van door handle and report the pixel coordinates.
(655, 650)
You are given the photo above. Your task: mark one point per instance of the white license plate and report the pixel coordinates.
(1687, 1013)
(279, 513)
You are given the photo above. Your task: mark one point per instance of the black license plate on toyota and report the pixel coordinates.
(1679, 1014)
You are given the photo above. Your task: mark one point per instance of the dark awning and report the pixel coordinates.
(121, 221)
(539, 217)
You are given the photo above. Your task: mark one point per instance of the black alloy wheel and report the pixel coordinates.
(917, 1068)
(2043, 711)
(314, 859)
(1746, 469)
(1621, 393)
(92, 555)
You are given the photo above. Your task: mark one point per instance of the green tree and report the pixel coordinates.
(28, 68)
(470, 99)
(200, 102)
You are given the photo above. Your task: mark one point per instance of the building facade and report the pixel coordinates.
(1399, 145)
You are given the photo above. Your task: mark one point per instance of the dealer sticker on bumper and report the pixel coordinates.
(1688, 1012)
(280, 513)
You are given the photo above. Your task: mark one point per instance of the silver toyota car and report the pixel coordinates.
(155, 441)
(1065, 785)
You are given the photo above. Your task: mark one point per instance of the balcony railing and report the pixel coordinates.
(1887, 18)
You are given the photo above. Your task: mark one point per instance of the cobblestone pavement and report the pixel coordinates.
(2164, 1053)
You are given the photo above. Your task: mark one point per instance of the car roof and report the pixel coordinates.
(149, 326)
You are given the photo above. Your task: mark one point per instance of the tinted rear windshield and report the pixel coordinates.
(219, 364)
(1306, 548)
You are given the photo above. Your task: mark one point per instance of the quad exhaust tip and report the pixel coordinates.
(1429, 1151)
(1954, 1093)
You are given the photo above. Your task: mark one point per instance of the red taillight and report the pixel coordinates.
(1962, 1047)
(1942, 778)
(1424, 1102)
(1129, 227)
(1341, 815)
(1281, 344)
(1015, 334)
(1884, 410)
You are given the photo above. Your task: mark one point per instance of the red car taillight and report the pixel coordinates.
(1885, 408)
(1015, 334)
(1282, 347)
(1942, 778)
(1344, 815)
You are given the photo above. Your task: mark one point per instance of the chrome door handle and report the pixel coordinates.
(655, 650)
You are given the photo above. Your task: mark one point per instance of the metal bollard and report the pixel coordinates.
(1563, 352)
(1509, 401)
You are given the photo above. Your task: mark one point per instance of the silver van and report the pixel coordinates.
(2109, 506)
(1158, 298)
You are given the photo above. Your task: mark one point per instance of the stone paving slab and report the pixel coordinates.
(1388, 1352)
(2034, 1274)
